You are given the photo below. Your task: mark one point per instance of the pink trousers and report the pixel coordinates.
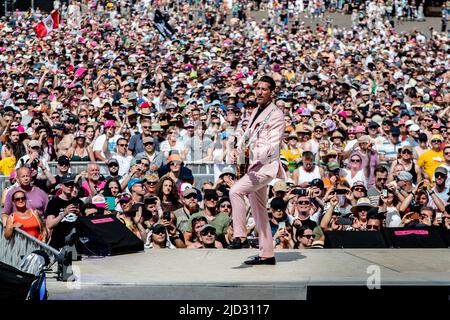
(254, 185)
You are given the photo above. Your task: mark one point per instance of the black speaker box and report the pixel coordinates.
(418, 237)
(105, 235)
(354, 239)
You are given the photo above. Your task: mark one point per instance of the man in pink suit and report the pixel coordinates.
(263, 137)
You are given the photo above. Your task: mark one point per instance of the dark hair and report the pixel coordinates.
(107, 190)
(193, 222)
(308, 155)
(380, 169)
(174, 197)
(270, 81)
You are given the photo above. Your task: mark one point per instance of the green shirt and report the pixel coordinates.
(220, 221)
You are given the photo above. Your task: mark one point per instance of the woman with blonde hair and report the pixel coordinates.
(80, 151)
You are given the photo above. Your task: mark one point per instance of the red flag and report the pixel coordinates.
(48, 24)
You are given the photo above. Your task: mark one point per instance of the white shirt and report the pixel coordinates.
(124, 163)
(112, 143)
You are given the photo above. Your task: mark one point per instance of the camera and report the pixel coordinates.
(344, 221)
(300, 192)
(166, 215)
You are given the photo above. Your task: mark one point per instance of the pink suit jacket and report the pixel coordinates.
(265, 146)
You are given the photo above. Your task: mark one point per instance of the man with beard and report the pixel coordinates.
(220, 221)
(92, 183)
(190, 207)
(16, 146)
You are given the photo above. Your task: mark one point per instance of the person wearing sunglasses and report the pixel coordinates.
(357, 168)
(219, 220)
(304, 238)
(207, 239)
(440, 186)
(406, 159)
(156, 159)
(25, 218)
(433, 158)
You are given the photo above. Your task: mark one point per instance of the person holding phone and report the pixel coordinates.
(62, 212)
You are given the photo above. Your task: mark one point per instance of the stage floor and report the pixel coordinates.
(220, 274)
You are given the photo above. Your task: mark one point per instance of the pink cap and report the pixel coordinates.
(145, 104)
(109, 123)
(360, 129)
(343, 114)
(21, 129)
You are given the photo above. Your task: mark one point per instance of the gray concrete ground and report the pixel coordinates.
(220, 274)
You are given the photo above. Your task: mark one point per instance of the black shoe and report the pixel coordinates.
(258, 260)
(238, 244)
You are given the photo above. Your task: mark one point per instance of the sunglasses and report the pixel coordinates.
(113, 165)
(303, 202)
(211, 198)
(406, 152)
(355, 160)
(152, 183)
(447, 153)
(148, 144)
(308, 236)
(436, 141)
(359, 189)
(208, 232)
(381, 179)
(225, 206)
(372, 227)
(83, 116)
(20, 199)
(146, 127)
(123, 145)
(440, 175)
(175, 163)
(190, 196)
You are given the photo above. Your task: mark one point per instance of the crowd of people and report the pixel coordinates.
(366, 145)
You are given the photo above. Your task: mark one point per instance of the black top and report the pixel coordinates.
(59, 233)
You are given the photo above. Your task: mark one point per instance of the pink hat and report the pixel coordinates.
(21, 129)
(343, 114)
(360, 129)
(109, 123)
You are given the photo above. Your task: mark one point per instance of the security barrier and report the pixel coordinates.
(22, 244)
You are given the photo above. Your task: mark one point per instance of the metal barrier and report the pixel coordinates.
(22, 244)
(202, 171)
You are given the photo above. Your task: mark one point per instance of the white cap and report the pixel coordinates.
(414, 127)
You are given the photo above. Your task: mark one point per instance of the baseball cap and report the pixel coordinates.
(109, 123)
(99, 201)
(34, 143)
(414, 127)
(395, 131)
(280, 186)
(278, 203)
(147, 140)
(373, 124)
(359, 184)
(404, 176)
(189, 191)
(437, 137)
(441, 170)
(63, 160)
(112, 160)
(67, 178)
(332, 166)
(158, 228)
(207, 227)
(364, 139)
(132, 182)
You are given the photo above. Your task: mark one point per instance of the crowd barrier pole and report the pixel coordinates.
(22, 244)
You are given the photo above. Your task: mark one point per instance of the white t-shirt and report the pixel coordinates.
(112, 143)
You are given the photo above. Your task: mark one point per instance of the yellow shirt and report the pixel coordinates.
(7, 165)
(430, 160)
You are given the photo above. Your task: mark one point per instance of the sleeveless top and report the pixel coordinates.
(412, 171)
(76, 157)
(30, 225)
(304, 176)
